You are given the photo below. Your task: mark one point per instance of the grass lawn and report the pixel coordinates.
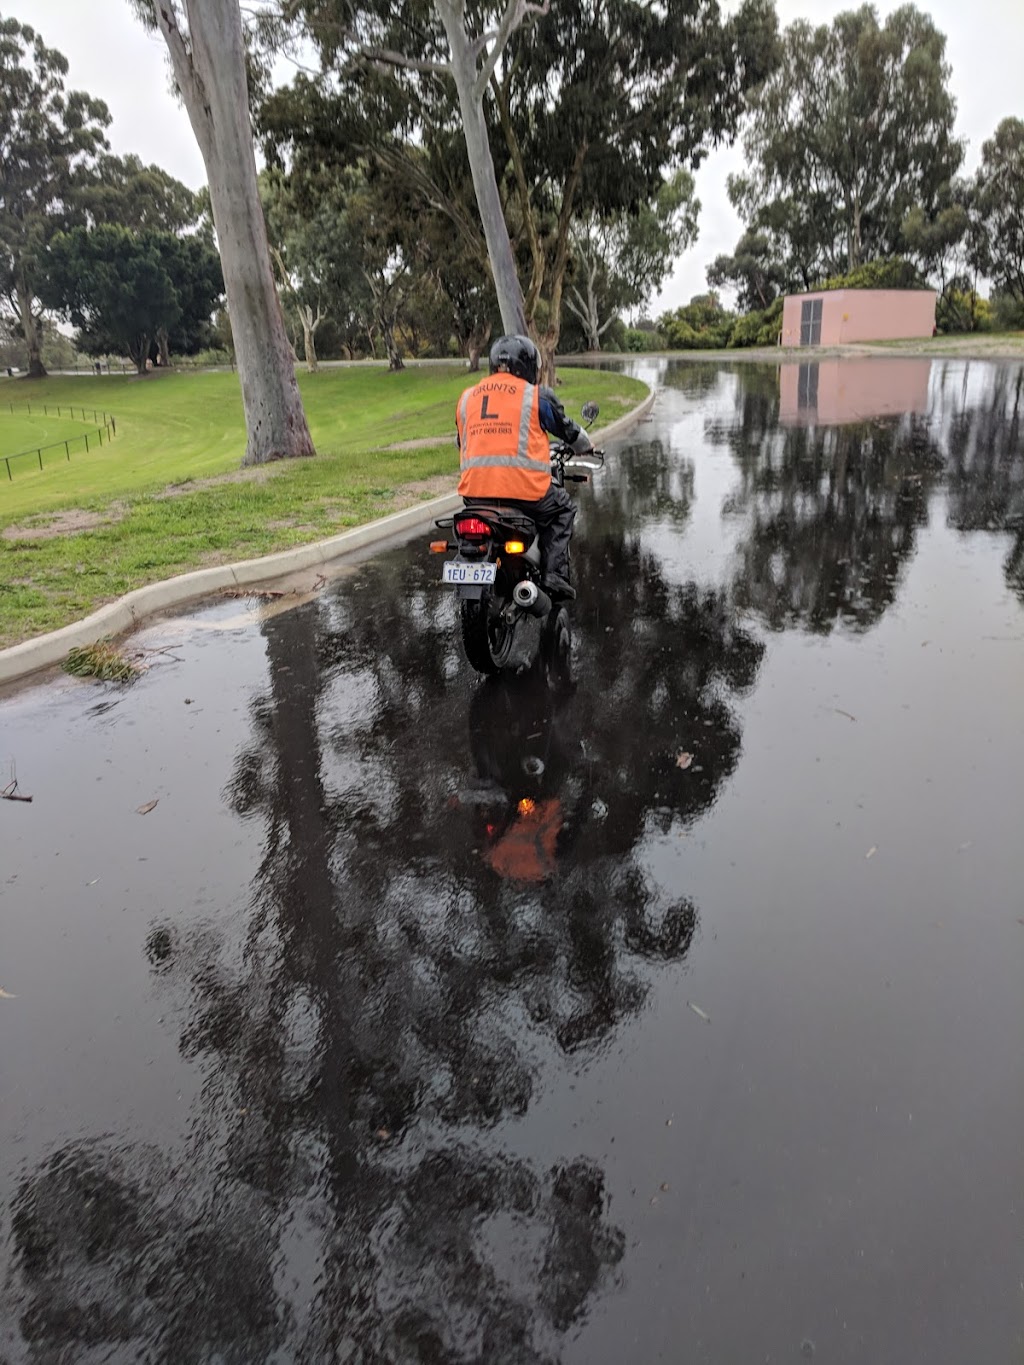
(80, 533)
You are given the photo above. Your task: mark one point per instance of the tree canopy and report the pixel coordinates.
(850, 133)
(589, 109)
(126, 290)
(48, 134)
(999, 187)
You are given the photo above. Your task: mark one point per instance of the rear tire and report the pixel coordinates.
(486, 637)
(558, 649)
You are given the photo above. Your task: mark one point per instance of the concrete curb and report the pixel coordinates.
(128, 612)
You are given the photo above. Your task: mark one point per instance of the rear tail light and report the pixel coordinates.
(472, 526)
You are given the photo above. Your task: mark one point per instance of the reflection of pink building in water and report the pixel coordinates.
(841, 316)
(853, 390)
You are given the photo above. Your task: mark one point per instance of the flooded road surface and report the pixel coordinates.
(426, 1020)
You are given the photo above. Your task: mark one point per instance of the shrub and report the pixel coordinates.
(640, 339)
(759, 328)
(961, 310)
(1007, 313)
(702, 325)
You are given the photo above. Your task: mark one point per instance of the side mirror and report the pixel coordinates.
(590, 411)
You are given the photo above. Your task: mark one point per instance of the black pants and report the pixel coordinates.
(554, 514)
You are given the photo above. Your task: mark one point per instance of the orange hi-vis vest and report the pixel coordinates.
(503, 448)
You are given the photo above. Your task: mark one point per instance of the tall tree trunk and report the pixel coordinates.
(138, 351)
(211, 74)
(163, 341)
(481, 163)
(36, 368)
(309, 337)
(478, 339)
(395, 361)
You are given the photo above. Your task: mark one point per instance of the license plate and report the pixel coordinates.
(454, 572)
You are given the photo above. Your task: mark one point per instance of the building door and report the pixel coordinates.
(810, 322)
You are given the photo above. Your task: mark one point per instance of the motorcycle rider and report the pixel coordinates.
(503, 425)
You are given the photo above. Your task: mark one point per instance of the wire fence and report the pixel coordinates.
(105, 428)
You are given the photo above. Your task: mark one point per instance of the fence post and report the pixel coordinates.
(86, 443)
(100, 434)
(67, 451)
(40, 454)
(113, 424)
(9, 474)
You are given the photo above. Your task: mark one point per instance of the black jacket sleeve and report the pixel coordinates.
(554, 421)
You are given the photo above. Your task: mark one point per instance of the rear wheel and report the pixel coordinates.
(558, 649)
(486, 635)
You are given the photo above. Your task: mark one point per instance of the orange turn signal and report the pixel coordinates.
(438, 547)
(514, 547)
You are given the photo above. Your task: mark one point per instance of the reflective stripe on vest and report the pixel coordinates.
(515, 443)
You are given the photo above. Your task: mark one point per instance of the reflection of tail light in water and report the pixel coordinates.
(525, 851)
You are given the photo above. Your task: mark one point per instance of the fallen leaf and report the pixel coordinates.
(150, 805)
(6, 995)
(93, 882)
(383, 1134)
(871, 852)
(664, 1187)
(683, 760)
(699, 1012)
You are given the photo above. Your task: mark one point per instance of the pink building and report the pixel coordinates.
(841, 316)
(856, 389)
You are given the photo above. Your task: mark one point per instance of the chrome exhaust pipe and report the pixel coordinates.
(529, 598)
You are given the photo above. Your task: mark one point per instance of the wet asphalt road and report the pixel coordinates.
(427, 1020)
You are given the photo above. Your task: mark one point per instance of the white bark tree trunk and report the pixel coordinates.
(485, 183)
(310, 322)
(210, 70)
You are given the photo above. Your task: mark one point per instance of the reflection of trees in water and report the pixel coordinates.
(388, 1004)
(833, 512)
(986, 457)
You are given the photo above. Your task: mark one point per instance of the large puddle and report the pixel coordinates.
(679, 1018)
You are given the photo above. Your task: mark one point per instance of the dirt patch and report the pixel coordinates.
(420, 443)
(259, 474)
(71, 522)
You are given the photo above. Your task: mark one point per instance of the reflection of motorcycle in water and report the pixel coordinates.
(521, 761)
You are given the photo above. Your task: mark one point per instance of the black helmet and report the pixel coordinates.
(516, 355)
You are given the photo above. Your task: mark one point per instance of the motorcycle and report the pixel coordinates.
(508, 621)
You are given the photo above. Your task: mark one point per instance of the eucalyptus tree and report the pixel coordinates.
(620, 261)
(850, 132)
(999, 188)
(208, 57)
(586, 108)
(47, 135)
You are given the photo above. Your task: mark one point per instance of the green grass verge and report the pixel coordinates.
(131, 512)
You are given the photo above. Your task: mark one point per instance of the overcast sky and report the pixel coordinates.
(113, 57)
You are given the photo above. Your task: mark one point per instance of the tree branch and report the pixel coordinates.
(189, 84)
(516, 13)
(389, 57)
